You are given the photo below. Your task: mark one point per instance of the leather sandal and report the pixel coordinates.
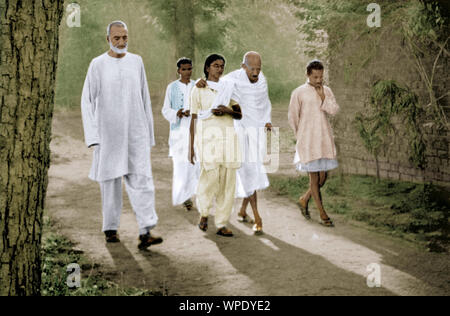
(244, 219)
(203, 225)
(326, 222)
(225, 232)
(188, 205)
(304, 208)
(257, 229)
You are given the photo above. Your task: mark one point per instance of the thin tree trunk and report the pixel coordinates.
(184, 29)
(378, 169)
(28, 58)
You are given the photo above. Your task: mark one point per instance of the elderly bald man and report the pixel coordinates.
(118, 123)
(252, 91)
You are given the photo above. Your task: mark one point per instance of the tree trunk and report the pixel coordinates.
(28, 58)
(184, 21)
(378, 169)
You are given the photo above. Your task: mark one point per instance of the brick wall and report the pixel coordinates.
(351, 83)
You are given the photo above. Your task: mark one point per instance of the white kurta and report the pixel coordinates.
(185, 175)
(256, 113)
(117, 115)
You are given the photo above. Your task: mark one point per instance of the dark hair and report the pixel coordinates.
(183, 61)
(314, 65)
(209, 60)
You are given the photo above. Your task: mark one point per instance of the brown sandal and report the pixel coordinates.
(225, 232)
(188, 205)
(326, 222)
(245, 219)
(257, 228)
(304, 208)
(203, 225)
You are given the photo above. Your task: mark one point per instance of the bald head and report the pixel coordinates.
(251, 63)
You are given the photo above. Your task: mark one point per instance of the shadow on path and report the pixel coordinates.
(279, 268)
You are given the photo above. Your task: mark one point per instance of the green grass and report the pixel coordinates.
(416, 212)
(57, 253)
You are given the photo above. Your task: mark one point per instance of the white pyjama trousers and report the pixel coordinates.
(141, 192)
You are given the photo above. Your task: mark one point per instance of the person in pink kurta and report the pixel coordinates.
(315, 150)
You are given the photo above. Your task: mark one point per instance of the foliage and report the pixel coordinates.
(201, 20)
(421, 24)
(79, 45)
(431, 23)
(376, 125)
(202, 10)
(322, 16)
(416, 212)
(267, 27)
(426, 33)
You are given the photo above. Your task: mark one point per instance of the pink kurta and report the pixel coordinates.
(310, 124)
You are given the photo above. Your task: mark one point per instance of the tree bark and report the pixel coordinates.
(184, 20)
(28, 59)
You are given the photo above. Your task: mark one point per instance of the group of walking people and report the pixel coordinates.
(217, 141)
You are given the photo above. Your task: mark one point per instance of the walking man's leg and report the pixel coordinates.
(112, 203)
(243, 212)
(314, 178)
(258, 220)
(303, 201)
(141, 192)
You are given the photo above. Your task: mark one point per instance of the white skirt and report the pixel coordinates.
(318, 165)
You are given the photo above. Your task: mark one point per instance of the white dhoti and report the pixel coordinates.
(251, 178)
(141, 192)
(252, 175)
(185, 181)
(256, 110)
(185, 175)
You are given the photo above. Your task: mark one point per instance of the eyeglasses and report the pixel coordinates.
(216, 66)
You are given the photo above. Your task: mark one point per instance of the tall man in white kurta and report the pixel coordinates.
(118, 121)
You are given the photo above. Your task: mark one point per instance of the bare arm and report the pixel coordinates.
(192, 138)
(234, 112)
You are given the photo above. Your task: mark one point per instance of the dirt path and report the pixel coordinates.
(293, 257)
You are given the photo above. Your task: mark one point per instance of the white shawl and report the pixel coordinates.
(253, 98)
(225, 92)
